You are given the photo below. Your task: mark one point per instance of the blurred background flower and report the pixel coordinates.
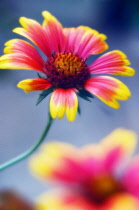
(97, 176)
(21, 123)
(11, 200)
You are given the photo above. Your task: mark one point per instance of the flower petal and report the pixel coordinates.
(64, 200)
(108, 89)
(33, 31)
(130, 178)
(61, 162)
(44, 166)
(64, 101)
(20, 55)
(67, 200)
(95, 160)
(18, 45)
(114, 62)
(110, 153)
(73, 38)
(85, 41)
(117, 147)
(122, 202)
(54, 31)
(34, 84)
(17, 61)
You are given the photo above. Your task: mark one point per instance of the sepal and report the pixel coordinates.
(86, 95)
(44, 94)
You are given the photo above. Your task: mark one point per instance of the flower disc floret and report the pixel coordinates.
(66, 70)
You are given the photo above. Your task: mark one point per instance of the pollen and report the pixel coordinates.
(68, 64)
(67, 70)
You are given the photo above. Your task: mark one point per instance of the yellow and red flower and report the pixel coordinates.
(96, 177)
(66, 72)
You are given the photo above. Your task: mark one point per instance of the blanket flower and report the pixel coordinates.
(64, 67)
(94, 177)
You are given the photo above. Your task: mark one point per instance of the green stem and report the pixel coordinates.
(29, 151)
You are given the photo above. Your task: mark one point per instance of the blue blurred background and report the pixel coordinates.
(21, 122)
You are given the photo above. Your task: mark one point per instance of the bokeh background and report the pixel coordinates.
(21, 122)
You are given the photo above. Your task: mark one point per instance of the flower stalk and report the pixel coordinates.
(29, 151)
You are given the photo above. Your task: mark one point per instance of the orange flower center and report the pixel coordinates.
(67, 70)
(100, 188)
(69, 64)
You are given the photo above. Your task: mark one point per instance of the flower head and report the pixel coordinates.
(66, 73)
(94, 177)
(9, 199)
